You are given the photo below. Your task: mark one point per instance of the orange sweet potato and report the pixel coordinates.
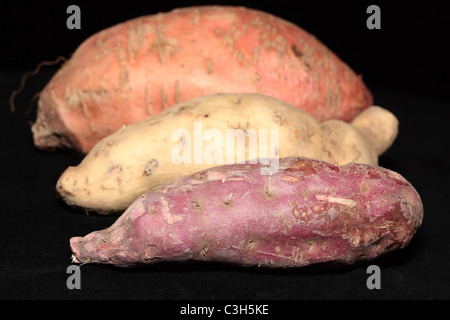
(136, 69)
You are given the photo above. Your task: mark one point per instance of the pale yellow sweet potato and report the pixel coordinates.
(379, 126)
(192, 136)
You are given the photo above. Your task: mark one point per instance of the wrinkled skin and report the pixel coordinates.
(307, 212)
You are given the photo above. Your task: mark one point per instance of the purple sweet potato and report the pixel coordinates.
(307, 212)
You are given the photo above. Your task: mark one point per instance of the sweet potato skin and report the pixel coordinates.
(379, 126)
(136, 69)
(308, 212)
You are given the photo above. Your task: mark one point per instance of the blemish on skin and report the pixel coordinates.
(306, 167)
(86, 114)
(236, 177)
(299, 54)
(397, 178)
(149, 166)
(205, 251)
(344, 201)
(328, 152)
(203, 176)
(267, 193)
(289, 179)
(102, 186)
(164, 98)
(300, 214)
(163, 45)
(239, 55)
(113, 168)
(255, 54)
(209, 66)
(177, 91)
(319, 207)
(333, 190)
(278, 119)
(150, 252)
(216, 175)
(250, 245)
(65, 191)
(168, 216)
(373, 174)
(148, 100)
(237, 101)
(196, 19)
(297, 51)
(196, 205)
(364, 188)
(227, 201)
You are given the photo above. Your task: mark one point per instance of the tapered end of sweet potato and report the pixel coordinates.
(43, 135)
(114, 245)
(88, 250)
(95, 248)
(379, 126)
(49, 130)
(74, 247)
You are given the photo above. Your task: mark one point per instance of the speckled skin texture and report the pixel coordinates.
(138, 68)
(307, 212)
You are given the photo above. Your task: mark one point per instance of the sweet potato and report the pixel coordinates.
(308, 212)
(379, 126)
(146, 154)
(136, 69)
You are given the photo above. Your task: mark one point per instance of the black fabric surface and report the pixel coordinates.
(35, 226)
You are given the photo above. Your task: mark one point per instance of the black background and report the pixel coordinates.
(405, 64)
